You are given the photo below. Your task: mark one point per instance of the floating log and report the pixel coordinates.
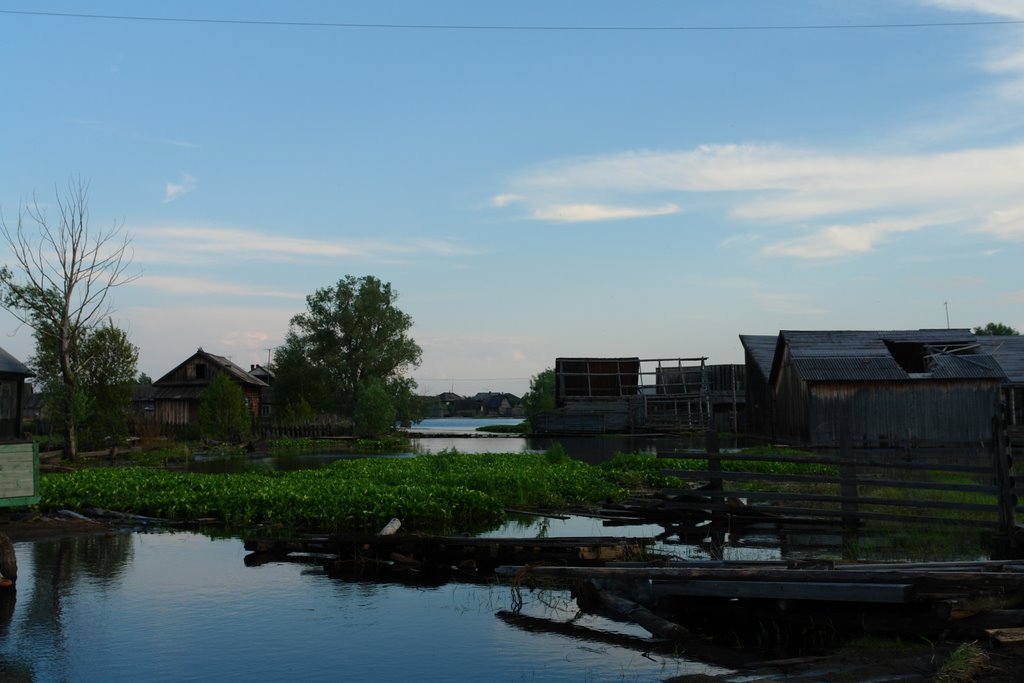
(640, 615)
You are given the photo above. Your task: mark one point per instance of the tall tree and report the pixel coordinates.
(350, 333)
(995, 330)
(61, 281)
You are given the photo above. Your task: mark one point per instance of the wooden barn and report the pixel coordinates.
(177, 394)
(758, 353)
(890, 388)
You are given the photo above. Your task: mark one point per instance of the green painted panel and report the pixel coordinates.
(19, 474)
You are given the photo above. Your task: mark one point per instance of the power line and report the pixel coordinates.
(513, 27)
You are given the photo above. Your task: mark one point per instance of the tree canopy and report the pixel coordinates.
(995, 330)
(351, 334)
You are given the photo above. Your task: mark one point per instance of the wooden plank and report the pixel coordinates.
(825, 498)
(689, 475)
(1006, 636)
(836, 462)
(789, 590)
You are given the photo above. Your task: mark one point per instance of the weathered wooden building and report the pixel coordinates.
(619, 395)
(178, 393)
(1008, 351)
(888, 388)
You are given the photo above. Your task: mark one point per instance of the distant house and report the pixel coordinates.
(887, 388)
(177, 394)
(495, 404)
(265, 375)
(13, 374)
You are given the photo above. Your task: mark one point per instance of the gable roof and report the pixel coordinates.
(761, 348)
(9, 365)
(220, 363)
(853, 355)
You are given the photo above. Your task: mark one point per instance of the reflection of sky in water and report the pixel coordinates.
(180, 606)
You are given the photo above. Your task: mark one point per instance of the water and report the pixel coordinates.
(436, 435)
(184, 607)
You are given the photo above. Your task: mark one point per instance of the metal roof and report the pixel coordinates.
(761, 348)
(856, 355)
(9, 365)
(1008, 352)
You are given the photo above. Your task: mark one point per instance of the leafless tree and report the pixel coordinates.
(61, 280)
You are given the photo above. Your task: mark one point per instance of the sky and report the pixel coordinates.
(536, 179)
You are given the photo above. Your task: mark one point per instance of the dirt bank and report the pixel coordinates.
(36, 526)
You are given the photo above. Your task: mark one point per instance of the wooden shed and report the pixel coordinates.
(890, 388)
(177, 394)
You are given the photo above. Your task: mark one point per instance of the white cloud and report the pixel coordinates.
(840, 203)
(1007, 224)
(578, 213)
(840, 240)
(174, 190)
(506, 199)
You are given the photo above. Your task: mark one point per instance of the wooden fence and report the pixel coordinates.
(965, 485)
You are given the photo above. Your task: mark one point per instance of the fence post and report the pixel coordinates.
(847, 476)
(1004, 484)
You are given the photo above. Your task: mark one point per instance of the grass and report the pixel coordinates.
(963, 664)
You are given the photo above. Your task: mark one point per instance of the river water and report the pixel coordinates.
(183, 606)
(169, 606)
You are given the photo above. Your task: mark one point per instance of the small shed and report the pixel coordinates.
(19, 458)
(889, 388)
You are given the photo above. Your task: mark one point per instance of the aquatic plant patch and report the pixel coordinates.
(447, 491)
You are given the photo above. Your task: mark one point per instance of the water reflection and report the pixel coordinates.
(183, 606)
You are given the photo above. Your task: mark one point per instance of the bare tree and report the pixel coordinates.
(61, 282)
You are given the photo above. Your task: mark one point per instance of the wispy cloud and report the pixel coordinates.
(192, 285)
(837, 203)
(577, 213)
(174, 190)
(188, 242)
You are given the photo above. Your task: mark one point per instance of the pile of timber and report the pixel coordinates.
(805, 602)
(401, 554)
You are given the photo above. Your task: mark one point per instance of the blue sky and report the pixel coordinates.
(531, 192)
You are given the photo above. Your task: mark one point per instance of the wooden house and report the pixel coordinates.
(178, 393)
(888, 388)
(13, 374)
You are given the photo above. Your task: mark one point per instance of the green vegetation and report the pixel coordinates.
(541, 396)
(963, 664)
(223, 414)
(995, 330)
(521, 428)
(440, 492)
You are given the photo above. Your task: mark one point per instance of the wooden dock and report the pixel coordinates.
(747, 600)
